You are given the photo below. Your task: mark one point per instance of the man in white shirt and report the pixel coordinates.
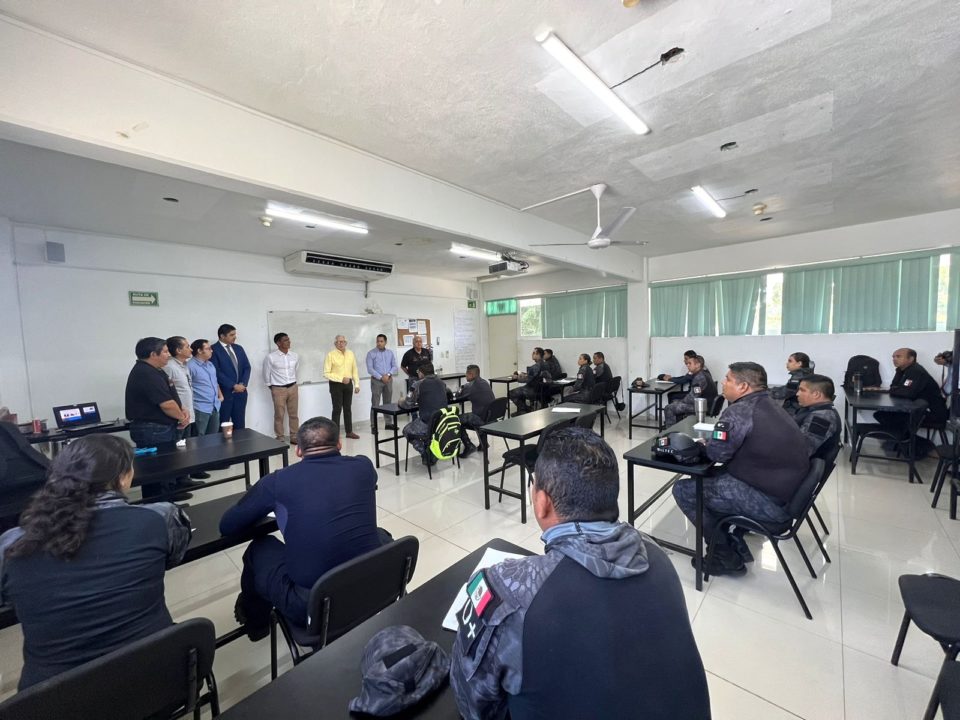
(280, 374)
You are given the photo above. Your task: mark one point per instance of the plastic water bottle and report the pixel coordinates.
(857, 383)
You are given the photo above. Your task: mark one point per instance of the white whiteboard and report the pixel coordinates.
(466, 333)
(311, 335)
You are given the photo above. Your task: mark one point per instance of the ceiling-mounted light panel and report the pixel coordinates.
(707, 200)
(311, 217)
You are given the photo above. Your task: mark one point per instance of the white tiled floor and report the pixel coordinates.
(765, 660)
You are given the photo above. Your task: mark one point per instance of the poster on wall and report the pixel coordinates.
(466, 331)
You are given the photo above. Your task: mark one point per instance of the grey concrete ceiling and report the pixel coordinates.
(843, 112)
(55, 189)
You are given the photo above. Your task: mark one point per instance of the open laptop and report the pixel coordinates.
(85, 416)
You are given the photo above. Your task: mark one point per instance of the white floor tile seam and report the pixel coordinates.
(751, 692)
(915, 675)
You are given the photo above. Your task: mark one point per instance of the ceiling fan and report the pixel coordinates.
(602, 236)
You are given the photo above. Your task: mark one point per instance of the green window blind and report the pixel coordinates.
(702, 309)
(668, 311)
(953, 292)
(592, 313)
(501, 307)
(866, 298)
(919, 278)
(807, 298)
(737, 304)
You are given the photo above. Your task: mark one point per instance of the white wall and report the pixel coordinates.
(13, 371)
(79, 331)
(831, 352)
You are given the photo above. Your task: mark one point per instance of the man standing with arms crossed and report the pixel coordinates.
(340, 369)
(280, 375)
(382, 366)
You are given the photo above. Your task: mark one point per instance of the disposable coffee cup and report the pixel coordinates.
(700, 405)
(227, 429)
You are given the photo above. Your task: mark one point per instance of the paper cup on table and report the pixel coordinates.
(700, 405)
(227, 429)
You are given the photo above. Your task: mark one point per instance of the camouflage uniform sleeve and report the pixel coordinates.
(735, 423)
(818, 427)
(486, 661)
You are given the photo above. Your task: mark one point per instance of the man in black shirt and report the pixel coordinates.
(415, 358)
(152, 405)
(533, 382)
(478, 392)
(601, 370)
(911, 381)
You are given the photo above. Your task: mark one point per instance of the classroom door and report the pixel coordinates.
(502, 341)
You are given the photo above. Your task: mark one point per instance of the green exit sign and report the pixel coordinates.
(140, 298)
(471, 304)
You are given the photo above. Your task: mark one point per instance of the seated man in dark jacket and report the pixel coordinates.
(766, 460)
(430, 394)
(22, 471)
(325, 507)
(702, 386)
(545, 637)
(913, 382)
(480, 394)
(818, 419)
(533, 382)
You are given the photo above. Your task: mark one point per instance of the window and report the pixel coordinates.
(907, 292)
(501, 307)
(531, 317)
(590, 313)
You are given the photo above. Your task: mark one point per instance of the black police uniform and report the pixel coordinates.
(820, 425)
(914, 383)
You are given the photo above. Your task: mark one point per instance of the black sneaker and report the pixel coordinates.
(467, 450)
(389, 426)
(739, 544)
(726, 561)
(200, 475)
(256, 631)
(428, 460)
(187, 484)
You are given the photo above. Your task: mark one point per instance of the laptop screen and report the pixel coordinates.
(90, 412)
(68, 416)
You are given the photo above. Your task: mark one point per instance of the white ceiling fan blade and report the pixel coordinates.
(622, 218)
(554, 244)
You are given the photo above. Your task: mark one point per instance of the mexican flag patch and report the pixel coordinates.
(480, 594)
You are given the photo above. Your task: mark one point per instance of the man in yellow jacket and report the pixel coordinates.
(340, 369)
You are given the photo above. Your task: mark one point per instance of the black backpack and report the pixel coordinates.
(869, 369)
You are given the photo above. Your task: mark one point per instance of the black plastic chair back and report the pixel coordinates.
(614, 388)
(157, 676)
(916, 417)
(360, 588)
(497, 410)
(802, 499)
(716, 405)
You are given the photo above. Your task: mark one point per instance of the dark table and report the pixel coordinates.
(207, 452)
(391, 411)
(869, 401)
(523, 428)
(657, 390)
(453, 376)
(643, 455)
(507, 380)
(323, 684)
(57, 437)
(205, 541)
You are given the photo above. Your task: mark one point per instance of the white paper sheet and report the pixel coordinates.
(559, 409)
(490, 557)
(705, 426)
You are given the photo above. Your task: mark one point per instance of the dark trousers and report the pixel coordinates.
(234, 408)
(341, 394)
(265, 582)
(726, 495)
(149, 434)
(895, 423)
(522, 395)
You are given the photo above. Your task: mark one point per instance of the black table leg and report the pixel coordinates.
(246, 473)
(698, 558)
(286, 457)
(485, 442)
(630, 515)
(630, 436)
(602, 415)
(523, 481)
(376, 438)
(396, 446)
(658, 412)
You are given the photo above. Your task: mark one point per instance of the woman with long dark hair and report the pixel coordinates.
(800, 366)
(84, 570)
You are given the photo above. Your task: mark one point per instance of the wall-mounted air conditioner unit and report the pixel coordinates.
(307, 262)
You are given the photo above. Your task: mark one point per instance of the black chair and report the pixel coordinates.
(946, 693)
(346, 596)
(906, 447)
(432, 428)
(527, 454)
(611, 396)
(932, 426)
(495, 412)
(716, 405)
(932, 602)
(159, 676)
(827, 452)
(948, 456)
(797, 509)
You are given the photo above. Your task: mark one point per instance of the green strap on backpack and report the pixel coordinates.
(445, 441)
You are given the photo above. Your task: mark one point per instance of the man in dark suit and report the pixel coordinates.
(22, 471)
(233, 374)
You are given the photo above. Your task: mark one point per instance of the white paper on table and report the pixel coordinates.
(490, 557)
(557, 408)
(705, 426)
(664, 382)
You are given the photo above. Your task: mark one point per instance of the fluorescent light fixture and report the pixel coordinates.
(576, 67)
(706, 199)
(477, 253)
(308, 217)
